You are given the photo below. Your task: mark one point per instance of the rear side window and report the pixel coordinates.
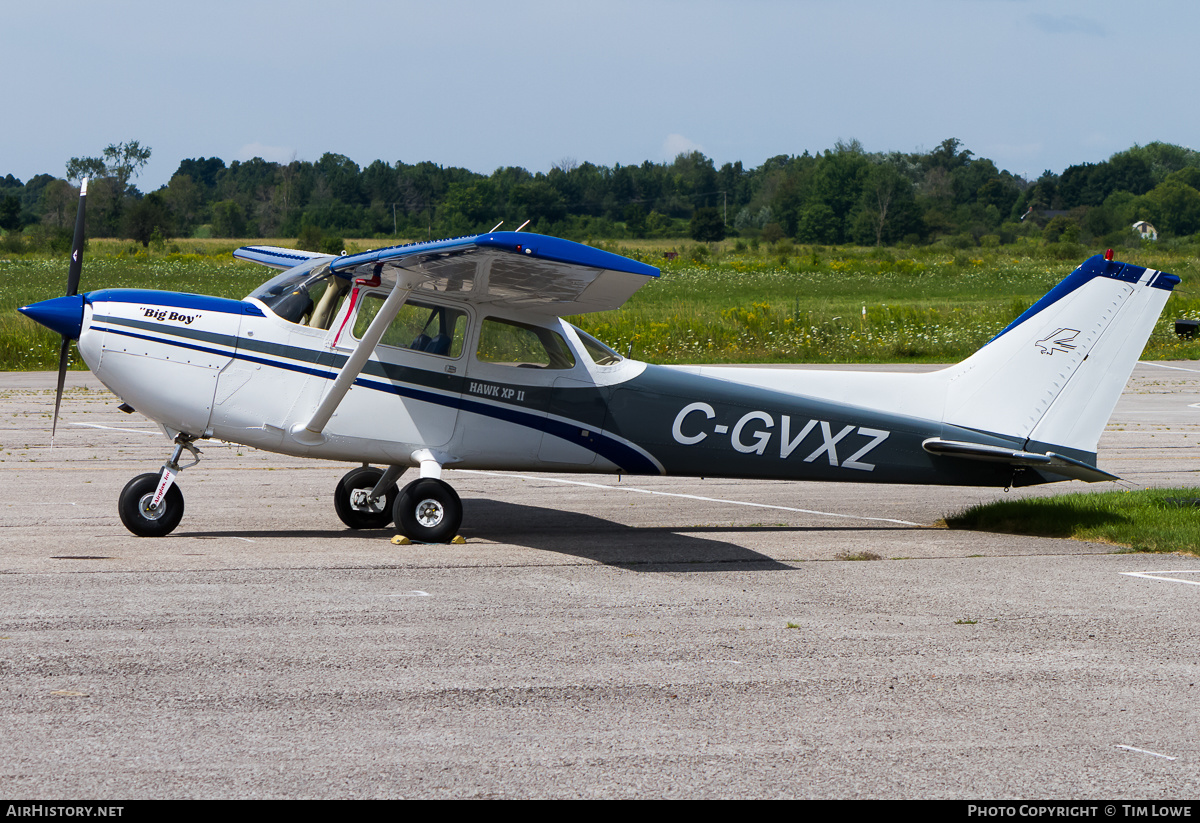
(601, 354)
(509, 343)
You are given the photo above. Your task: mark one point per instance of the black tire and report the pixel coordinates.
(143, 522)
(363, 478)
(428, 511)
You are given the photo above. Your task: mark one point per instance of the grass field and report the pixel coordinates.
(712, 303)
(1149, 520)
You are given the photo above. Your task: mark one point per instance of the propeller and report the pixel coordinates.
(72, 289)
(64, 315)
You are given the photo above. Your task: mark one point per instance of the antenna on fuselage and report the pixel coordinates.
(498, 225)
(526, 223)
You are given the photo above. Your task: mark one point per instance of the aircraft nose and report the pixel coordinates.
(62, 315)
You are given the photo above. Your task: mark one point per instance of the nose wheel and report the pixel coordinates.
(139, 512)
(428, 511)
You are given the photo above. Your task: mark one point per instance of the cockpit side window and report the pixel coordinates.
(418, 326)
(510, 343)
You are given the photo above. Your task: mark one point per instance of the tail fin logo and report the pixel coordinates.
(1060, 340)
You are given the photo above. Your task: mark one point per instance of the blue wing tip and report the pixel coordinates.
(563, 251)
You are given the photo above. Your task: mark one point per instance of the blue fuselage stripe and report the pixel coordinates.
(629, 459)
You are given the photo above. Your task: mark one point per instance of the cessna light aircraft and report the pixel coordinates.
(454, 354)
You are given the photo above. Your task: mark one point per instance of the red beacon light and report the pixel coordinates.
(1108, 255)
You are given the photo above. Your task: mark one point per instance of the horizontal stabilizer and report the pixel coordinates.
(276, 257)
(1050, 462)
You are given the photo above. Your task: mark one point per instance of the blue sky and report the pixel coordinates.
(1032, 84)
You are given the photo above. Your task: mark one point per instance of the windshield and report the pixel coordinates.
(296, 293)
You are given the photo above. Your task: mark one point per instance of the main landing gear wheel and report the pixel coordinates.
(429, 511)
(363, 514)
(139, 518)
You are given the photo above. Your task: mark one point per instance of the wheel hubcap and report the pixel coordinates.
(430, 513)
(148, 512)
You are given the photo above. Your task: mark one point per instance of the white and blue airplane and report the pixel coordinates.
(454, 354)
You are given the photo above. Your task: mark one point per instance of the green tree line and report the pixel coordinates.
(839, 196)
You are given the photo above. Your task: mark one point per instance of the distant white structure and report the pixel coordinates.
(1145, 230)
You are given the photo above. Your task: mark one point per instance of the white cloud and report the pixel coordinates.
(278, 154)
(677, 144)
(1068, 24)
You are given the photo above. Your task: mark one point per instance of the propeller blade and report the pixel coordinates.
(72, 289)
(63, 356)
(77, 243)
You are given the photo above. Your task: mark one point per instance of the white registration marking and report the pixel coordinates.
(1146, 751)
(830, 444)
(1159, 576)
(116, 429)
(413, 593)
(636, 490)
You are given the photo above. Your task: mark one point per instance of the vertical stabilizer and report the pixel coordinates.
(1055, 373)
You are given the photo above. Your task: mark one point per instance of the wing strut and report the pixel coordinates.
(310, 433)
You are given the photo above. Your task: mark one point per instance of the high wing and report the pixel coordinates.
(275, 256)
(531, 272)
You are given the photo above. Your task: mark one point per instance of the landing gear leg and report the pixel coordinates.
(151, 505)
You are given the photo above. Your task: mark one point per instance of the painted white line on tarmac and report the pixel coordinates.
(1158, 576)
(208, 444)
(690, 497)
(1173, 368)
(114, 428)
(1146, 751)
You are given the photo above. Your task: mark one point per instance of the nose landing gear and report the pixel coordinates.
(151, 505)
